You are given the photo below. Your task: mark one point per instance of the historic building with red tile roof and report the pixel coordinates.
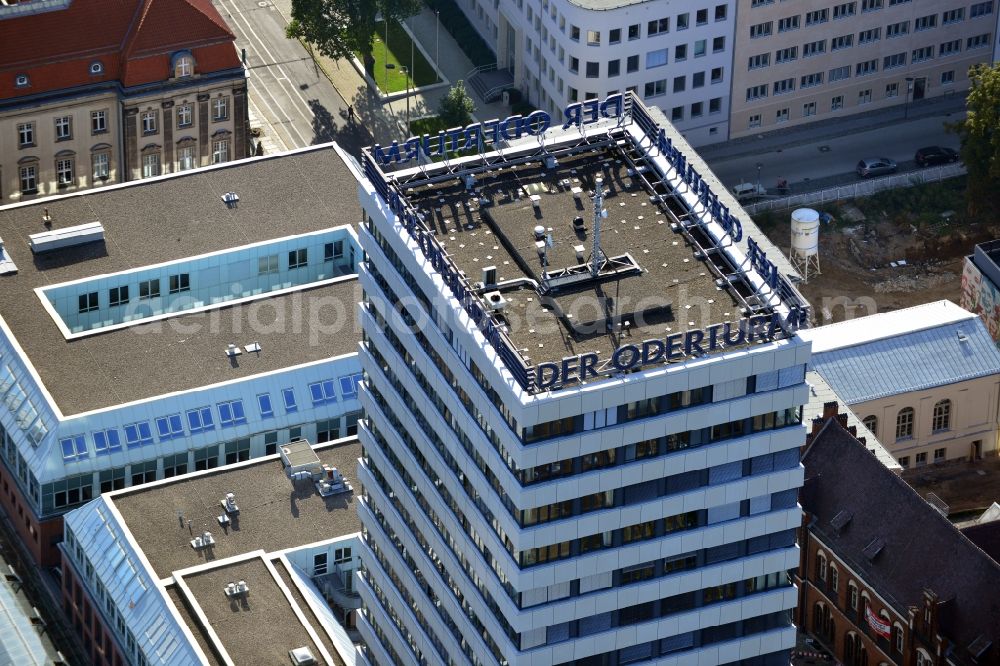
(94, 92)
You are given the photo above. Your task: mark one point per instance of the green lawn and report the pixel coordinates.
(429, 125)
(398, 54)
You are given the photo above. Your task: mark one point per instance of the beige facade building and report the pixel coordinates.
(798, 62)
(942, 423)
(924, 380)
(107, 97)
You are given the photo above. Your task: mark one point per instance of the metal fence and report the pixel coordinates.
(861, 188)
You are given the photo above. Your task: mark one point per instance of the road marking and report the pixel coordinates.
(307, 115)
(277, 111)
(272, 136)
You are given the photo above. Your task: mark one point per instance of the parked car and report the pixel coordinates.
(876, 166)
(744, 191)
(931, 155)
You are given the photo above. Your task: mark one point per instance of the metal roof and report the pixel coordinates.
(821, 393)
(955, 350)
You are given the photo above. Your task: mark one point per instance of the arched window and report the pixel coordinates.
(852, 595)
(183, 65)
(942, 416)
(871, 422)
(818, 618)
(897, 638)
(821, 566)
(834, 580)
(904, 423)
(923, 659)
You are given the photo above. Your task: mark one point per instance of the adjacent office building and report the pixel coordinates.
(677, 57)
(251, 563)
(176, 324)
(727, 70)
(582, 429)
(94, 93)
(794, 64)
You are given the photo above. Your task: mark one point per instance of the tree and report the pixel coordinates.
(457, 107)
(980, 136)
(343, 28)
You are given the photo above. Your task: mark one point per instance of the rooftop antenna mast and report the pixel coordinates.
(597, 257)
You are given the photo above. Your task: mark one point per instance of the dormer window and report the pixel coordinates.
(21, 80)
(96, 67)
(183, 65)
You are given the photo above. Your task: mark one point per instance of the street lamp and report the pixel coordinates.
(437, 38)
(760, 165)
(406, 73)
(906, 105)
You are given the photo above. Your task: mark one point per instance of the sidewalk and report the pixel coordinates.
(386, 121)
(834, 127)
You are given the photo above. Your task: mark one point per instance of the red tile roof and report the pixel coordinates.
(55, 48)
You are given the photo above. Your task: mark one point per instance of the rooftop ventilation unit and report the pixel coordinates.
(496, 301)
(539, 232)
(489, 275)
(332, 482)
(301, 656)
(229, 503)
(239, 589)
(233, 350)
(230, 199)
(203, 541)
(54, 239)
(962, 337)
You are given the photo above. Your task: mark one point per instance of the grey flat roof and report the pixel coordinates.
(275, 513)
(500, 233)
(165, 219)
(259, 628)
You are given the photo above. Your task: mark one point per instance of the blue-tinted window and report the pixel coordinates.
(264, 402)
(139, 434)
(169, 427)
(349, 385)
(200, 419)
(231, 413)
(73, 447)
(107, 441)
(289, 396)
(323, 392)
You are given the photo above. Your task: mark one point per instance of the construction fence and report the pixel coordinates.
(861, 188)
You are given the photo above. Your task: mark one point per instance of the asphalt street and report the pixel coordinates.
(296, 104)
(286, 88)
(831, 161)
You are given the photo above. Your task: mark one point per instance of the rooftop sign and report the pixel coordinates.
(675, 347)
(479, 136)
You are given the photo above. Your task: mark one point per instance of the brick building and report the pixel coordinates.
(884, 578)
(94, 93)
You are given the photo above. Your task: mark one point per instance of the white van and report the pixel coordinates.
(743, 191)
